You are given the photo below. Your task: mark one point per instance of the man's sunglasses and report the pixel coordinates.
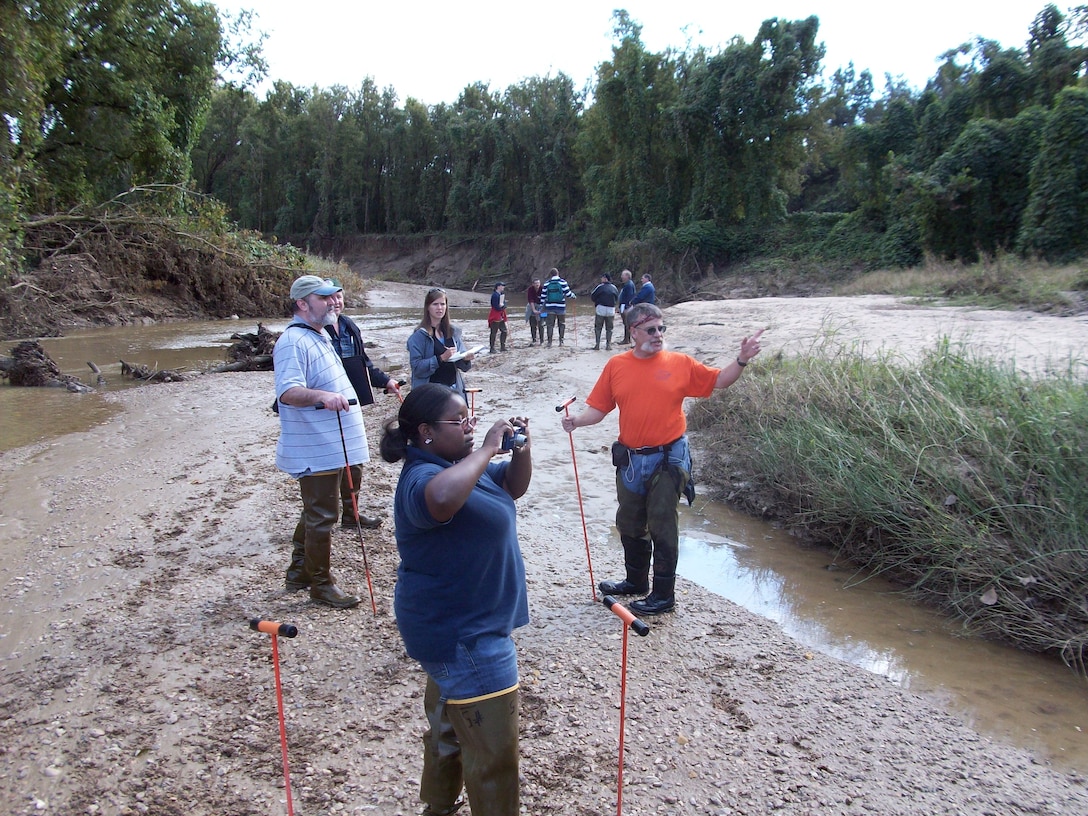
(652, 330)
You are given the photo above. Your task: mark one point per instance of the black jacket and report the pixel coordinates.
(360, 370)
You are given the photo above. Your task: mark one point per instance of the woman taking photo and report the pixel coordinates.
(433, 343)
(461, 592)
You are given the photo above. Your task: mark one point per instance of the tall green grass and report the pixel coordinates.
(957, 475)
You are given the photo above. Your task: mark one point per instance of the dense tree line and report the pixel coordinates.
(712, 154)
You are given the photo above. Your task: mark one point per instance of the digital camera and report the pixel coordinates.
(514, 440)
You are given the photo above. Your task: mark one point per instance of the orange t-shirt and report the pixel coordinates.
(650, 394)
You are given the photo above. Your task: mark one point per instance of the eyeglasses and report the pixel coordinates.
(466, 423)
(436, 291)
(652, 330)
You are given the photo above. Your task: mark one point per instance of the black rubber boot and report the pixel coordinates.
(636, 560)
(623, 587)
(662, 599)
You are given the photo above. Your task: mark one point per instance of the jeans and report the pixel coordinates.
(487, 665)
(648, 499)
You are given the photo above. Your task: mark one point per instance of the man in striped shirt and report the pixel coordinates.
(312, 389)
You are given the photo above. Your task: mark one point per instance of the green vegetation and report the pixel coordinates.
(958, 476)
(685, 161)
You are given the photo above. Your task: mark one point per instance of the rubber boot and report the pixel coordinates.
(488, 733)
(297, 577)
(636, 560)
(662, 599)
(442, 780)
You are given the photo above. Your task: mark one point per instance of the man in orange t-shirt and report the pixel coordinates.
(653, 465)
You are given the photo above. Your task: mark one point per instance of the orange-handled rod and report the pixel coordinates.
(629, 622)
(565, 406)
(624, 614)
(472, 404)
(275, 628)
(354, 491)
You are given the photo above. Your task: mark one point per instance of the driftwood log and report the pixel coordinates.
(142, 372)
(250, 351)
(29, 365)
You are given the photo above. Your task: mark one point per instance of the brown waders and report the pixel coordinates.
(311, 545)
(474, 744)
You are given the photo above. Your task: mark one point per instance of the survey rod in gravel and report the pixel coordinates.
(355, 505)
(275, 628)
(472, 400)
(640, 627)
(565, 406)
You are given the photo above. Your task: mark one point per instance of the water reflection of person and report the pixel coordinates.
(433, 343)
(460, 593)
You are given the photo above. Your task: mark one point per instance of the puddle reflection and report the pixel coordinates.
(1036, 702)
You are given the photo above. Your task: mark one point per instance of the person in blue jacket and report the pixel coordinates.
(627, 294)
(645, 293)
(434, 343)
(461, 592)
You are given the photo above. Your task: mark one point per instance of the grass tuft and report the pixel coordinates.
(959, 476)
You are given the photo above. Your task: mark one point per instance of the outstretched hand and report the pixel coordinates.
(749, 346)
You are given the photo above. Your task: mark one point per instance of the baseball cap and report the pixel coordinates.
(312, 285)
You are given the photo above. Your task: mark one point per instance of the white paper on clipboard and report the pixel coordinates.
(463, 354)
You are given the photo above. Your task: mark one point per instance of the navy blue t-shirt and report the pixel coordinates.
(459, 579)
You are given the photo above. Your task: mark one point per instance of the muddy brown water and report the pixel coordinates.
(1035, 702)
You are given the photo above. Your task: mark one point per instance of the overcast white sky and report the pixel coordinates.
(431, 51)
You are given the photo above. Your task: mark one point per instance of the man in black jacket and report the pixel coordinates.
(347, 339)
(604, 297)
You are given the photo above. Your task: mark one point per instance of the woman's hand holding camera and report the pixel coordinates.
(508, 435)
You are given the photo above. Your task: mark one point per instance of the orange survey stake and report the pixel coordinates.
(273, 628)
(624, 614)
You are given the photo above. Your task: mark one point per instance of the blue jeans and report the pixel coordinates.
(485, 666)
(648, 497)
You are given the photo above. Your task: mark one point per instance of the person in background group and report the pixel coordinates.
(553, 300)
(347, 340)
(460, 593)
(496, 318)
(646, 293)
(433, 343)
(627, 294)
(314, 443)
(653, 463)
(604, 297)
(532, 310)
